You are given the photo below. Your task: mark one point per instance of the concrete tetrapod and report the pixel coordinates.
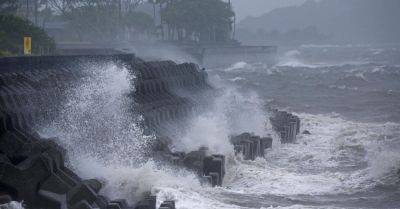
(250, 146)
(286, 125)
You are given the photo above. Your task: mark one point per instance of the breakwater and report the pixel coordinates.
(165, 93)
(32, 91)
(286, 125)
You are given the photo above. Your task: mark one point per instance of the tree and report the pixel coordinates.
(138, 23)
(12, 31)
(8, 7)
(96, 20)
(199, 20)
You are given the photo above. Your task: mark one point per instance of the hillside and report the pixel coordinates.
(333, 21)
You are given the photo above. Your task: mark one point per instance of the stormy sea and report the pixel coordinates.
(348, 99)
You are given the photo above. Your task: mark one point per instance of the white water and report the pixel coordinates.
(102, 136)
(231, 113)
(316, 165)
(105, 142)
(96, 121)
(313, 166)
(13, 205)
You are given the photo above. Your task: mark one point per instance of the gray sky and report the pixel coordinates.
(244, 8)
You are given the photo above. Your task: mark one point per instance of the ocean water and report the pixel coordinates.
(348, 97)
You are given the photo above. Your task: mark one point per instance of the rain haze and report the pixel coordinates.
(244, 8)
(199, 104)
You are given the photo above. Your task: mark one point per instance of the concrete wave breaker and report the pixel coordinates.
(32, 170)
(32, 89)
(167, 93)
(209, 168)
(251, 146)
(286, 125)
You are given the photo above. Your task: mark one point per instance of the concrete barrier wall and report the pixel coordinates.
(33, 168)
(157, 84)
(30, 84)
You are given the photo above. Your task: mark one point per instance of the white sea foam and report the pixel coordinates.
(12, 205)
(236, 79)
(239, 66)
(104, 142)
(130, 182)
(293, 59)
(206, 198)
(317, 164)
(302, 207)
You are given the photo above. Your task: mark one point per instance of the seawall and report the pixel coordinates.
(33, 168)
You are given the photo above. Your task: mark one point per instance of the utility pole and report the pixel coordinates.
(161, 22)
(119, 11)
(27, 10)
(36, 12)
(154, 11)
(119, 18)
(234, 26)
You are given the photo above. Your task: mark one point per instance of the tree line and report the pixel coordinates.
(196, 20)
(119, 20)
(13, 29)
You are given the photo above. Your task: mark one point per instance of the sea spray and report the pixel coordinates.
(131, 182)
(97, 120)
(101, 133)
(339, 157)
(293, 59)
(230, 113)
(13, 205)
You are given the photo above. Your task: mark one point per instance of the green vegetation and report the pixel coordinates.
(102, 20)
(104, 23)
(108, 21)
(197, 20)
(12, 32)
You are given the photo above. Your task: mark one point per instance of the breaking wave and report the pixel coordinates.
(232, 112)
(344, 163)
(96, 119)
(339, 157)
(101, 133)
(293, 59)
